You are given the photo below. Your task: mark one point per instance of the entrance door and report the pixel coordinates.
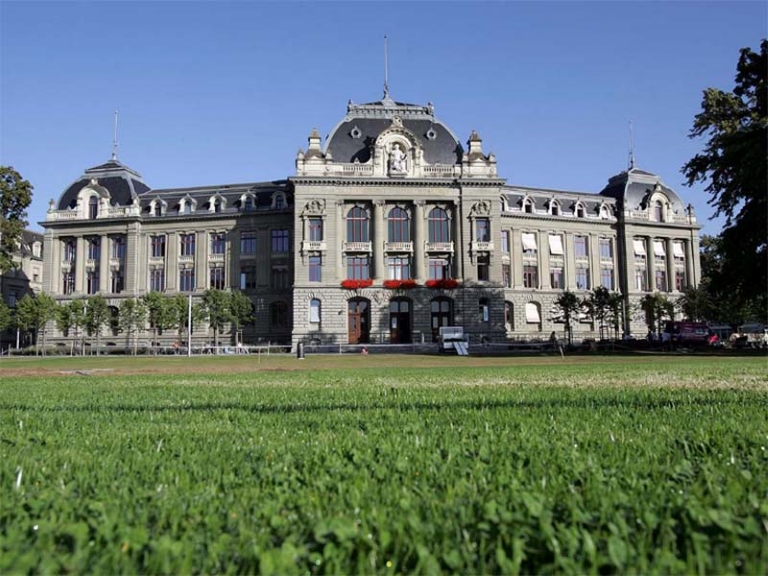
(441, 315)
(358, 321)
(400, 321)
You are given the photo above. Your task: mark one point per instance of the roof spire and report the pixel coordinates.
(631, 147)
(386, 70)
(114, 141)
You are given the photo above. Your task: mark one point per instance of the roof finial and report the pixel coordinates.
(631, 147)
(114, 141)
(386, 70)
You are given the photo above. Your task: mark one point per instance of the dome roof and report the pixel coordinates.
(121, 182)
(633, 188)
(352, 138)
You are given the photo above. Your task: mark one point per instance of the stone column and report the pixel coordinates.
(79, 265)
(457, 237)
(650, 258)
(569, 258)
(51, 263)
(172, 241)
(594, 261)
(104, 270)
(419, 244)
(232, 260)
(134, 261)
(544, 256)
(516, 257)
(377, 240)
(670, 265)
(201, 261)
(688, 263)
(339, 238)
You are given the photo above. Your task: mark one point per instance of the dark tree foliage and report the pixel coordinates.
(15, 197)
(734, 163)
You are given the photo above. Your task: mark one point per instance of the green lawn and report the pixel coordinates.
(378, 464)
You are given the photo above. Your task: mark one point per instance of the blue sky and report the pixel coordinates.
(225, 92)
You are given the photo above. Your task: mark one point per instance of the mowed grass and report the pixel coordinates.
(384, 464)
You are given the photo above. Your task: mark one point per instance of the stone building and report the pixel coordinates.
(25, 278)
(388, 229)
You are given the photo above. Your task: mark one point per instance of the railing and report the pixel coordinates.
(398, 246)
(439, 246)
(216, 257)
(357, 246)
(482, 246)
(313, 246)
(186, 259)
(357, 170)
(62, 215)
(439, 171)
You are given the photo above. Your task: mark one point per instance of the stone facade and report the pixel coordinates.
(25, 278)
(387, 230)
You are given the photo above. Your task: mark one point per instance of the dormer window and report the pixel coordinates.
(554, 208)
(157, 209)
(187, 208)
(580, 212)
(279, 202)
(658, 211)
(528, 206)
(248, 205)
(604, 212)
(93, 207)
(216, 204)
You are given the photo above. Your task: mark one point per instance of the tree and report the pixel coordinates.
(569, 304)
(656, 308)
(178, 311)
(241, 309)
(15, 197)
(695, 303)
(215, 307)
(734, 163)
(5, 317)
(159, 313)
(133, 314)
(598, 306)
(71, 316)
(32, 313)
(96, 316)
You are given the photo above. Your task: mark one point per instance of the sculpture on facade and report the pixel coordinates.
(398, 162)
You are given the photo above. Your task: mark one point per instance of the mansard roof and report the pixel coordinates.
(633, 188)
(352, 138)
(121, 181)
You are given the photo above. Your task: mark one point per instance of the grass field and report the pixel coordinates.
(384, 464)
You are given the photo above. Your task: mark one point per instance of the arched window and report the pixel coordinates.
(248, 204)
(439, 226)
(579, 211)
(554, 208)
(157, 208)
(278, 315)
(533, 315)
(604, 212)
(314, 311)
(399, 226)
(279, 202)
(217, 206)
(528, 206)
(357, 225)
(93, 207)
(484, 310)
(509, 316)
(658, 211)
(441, 314)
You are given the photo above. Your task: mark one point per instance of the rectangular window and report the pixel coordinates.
(580, 246)
(661, 280)
(606, 278)
(606, 249)
(247, 277)
(157, 279)
(116, 282)
(529, 243)
(281, 242)
(679, 280)
(315, 229)
(482, 230)
(280, 277)
(483, 267)
(187, 280)
(358, 268)
(314, 311)
(506, 275)
(187, 245)
(118, 248)
(530, 276)
(582, 278)
(13, 297)
(94, 248)
(157, 246)
(399, 268)
(315, 268)
(70, 250)
(217, 278)
(439, 269)
(92, 282)
(68, 282)
(555, 245)
(641, 279)
(218, 243)
(556, 277)
(248, 243)
(505, 241)
(658, 250)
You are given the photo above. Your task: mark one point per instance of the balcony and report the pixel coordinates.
(186, 259)
(482, 246)
(357, 247)
(440, 247)
(313, 246)
(215, 257)
(398, 246)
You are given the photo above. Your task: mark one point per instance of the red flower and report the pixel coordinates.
(399, 284)
(443, 284)
(356, 284)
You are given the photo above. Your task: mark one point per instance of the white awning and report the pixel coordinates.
(555, 245)
(532, 313)
(639, 247)
(529, 241)
(678, 250)
(658, 248)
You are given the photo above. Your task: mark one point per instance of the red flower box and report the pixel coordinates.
(356, 284)
(443, 284)
(400, 284)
